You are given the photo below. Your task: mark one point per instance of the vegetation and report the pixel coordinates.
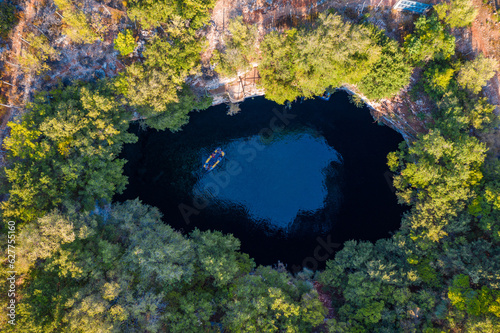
(7, 18)
(156, 88)
(474, 74)
(64, 151)
(240, 49)
(304, 62)
(191, 14)
(88, 265)
(446, 242)
(389, 74)
(456, 13)
(77, 26)
(430, 41)
(36, 53)
(125, 42)
(123, 269)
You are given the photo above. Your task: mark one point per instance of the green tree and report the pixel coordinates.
(43, 238)
(389, 74)
(277, 67)
(78, 28)
(156, 89)
(373, 279)
(474, 74)
(475, 302)
(121, 268)
(7, 18)
(456, 115)
(305, 62)
(456, 13)
(36, 53)
(150, 14)
(430, 40)
(270, 301)
(64, 150)
(125, 42)
(437, 177)
(239, 51)
(438, 77)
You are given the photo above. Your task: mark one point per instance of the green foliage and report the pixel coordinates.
(240, 49)
(486, 208)
(176, 113)
(457, 115)
(8, 18)
(437, 78)
(389, 74)
(372, 279)
(437, 177)
(64, 150)
(456, 13)
(356, 100)
(270, 301)
(36, 53)
(125, 42)
(122, 268)
(435, 154)
(430, 40)
(277, 67)
(474, 302)
(156, 88)
(77, 29)
(474, 74)
(305, 62)
(191, 14)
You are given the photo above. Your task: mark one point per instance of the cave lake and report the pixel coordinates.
(294, 183)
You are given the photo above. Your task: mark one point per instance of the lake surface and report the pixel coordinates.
(293, 186)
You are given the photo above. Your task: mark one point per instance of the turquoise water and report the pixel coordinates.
(273, 181)
(289, 177)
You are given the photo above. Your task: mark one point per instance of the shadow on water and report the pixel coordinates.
(294, 184)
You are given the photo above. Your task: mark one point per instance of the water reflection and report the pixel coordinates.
(276, 180)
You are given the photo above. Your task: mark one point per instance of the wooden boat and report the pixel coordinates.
(326, 96)
(214, 159)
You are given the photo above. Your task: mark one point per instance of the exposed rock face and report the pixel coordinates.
(266, 15)
(91, 61)
(400, 112)
(280, 15)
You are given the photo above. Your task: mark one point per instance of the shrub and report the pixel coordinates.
(474, 74)
(125, 42)
(7, 18)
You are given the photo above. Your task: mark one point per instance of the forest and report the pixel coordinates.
(87, 264)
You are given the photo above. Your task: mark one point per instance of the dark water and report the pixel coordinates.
(293, 186)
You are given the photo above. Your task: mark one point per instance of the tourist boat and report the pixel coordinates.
(326, 96)
(214, 159)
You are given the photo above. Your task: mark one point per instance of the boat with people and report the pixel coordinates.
(326, 96)
(214, 159)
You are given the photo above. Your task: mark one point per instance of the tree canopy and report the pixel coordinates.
(456, 13)
(430, 40)
(239, 50)
(64, 150)
(123, 269)
(306, 61)
(474, 74)
(85, 264)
